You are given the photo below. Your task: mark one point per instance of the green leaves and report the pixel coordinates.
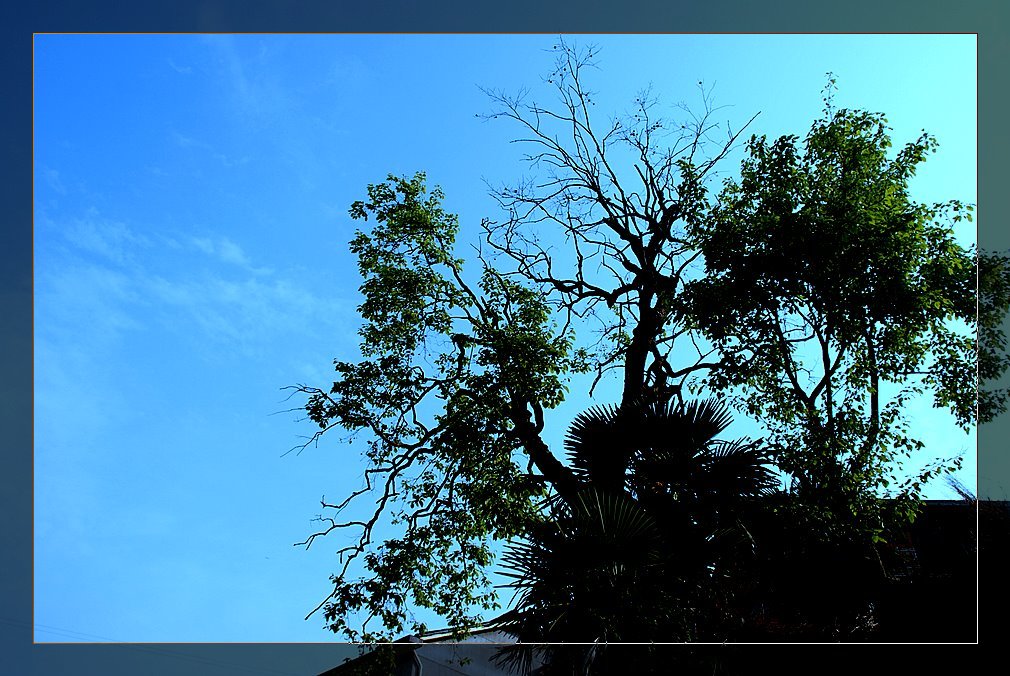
(831, 299)
(444, 367)
(405, 295)
(993, 305)
(828, 290)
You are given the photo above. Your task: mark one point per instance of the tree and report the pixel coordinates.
(993, 303)
(459, 370)
(456, 374)
(834, 299)
(451, 481)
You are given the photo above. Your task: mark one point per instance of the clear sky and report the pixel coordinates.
(191, 197)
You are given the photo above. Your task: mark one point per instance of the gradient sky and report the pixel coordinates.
(191, 197)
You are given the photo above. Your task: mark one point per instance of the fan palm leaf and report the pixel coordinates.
(632, 556)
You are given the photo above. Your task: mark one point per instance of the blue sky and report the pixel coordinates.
(191, 197)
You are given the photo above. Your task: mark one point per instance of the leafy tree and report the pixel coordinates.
(456, 373)
(459, 367)
(993, 360)
(834, 299)
(451, 481)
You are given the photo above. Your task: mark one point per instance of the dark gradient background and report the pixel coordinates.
(18, 655)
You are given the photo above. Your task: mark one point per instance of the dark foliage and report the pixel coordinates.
(655, 556)
(813, 293)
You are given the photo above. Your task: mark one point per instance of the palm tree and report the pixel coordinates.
(646, 548)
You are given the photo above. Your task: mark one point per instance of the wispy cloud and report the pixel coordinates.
(257, 91)
(87, 301)
(112, 240)
(53, 182)
(184, 141)
(99, 278)
(231, 252)
(249, 315)
(190, 142)
(204, 244)
(227, 251)
(230, 162)
(185, 70)
(267, 102)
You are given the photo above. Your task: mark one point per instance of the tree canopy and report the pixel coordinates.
(812, 292)
(834, 298)
(448, 476)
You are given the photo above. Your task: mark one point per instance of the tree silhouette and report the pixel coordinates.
(616, 237)
(654, 558)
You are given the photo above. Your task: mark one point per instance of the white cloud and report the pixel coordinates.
(110, 239)
(184, 141)
(231, 252)
(230, 162)
(203, 244)
(52, 179)
(86, 303)
(227, 251)
(99, 279)
(248, 314)
(250, 76)
(185, 70)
